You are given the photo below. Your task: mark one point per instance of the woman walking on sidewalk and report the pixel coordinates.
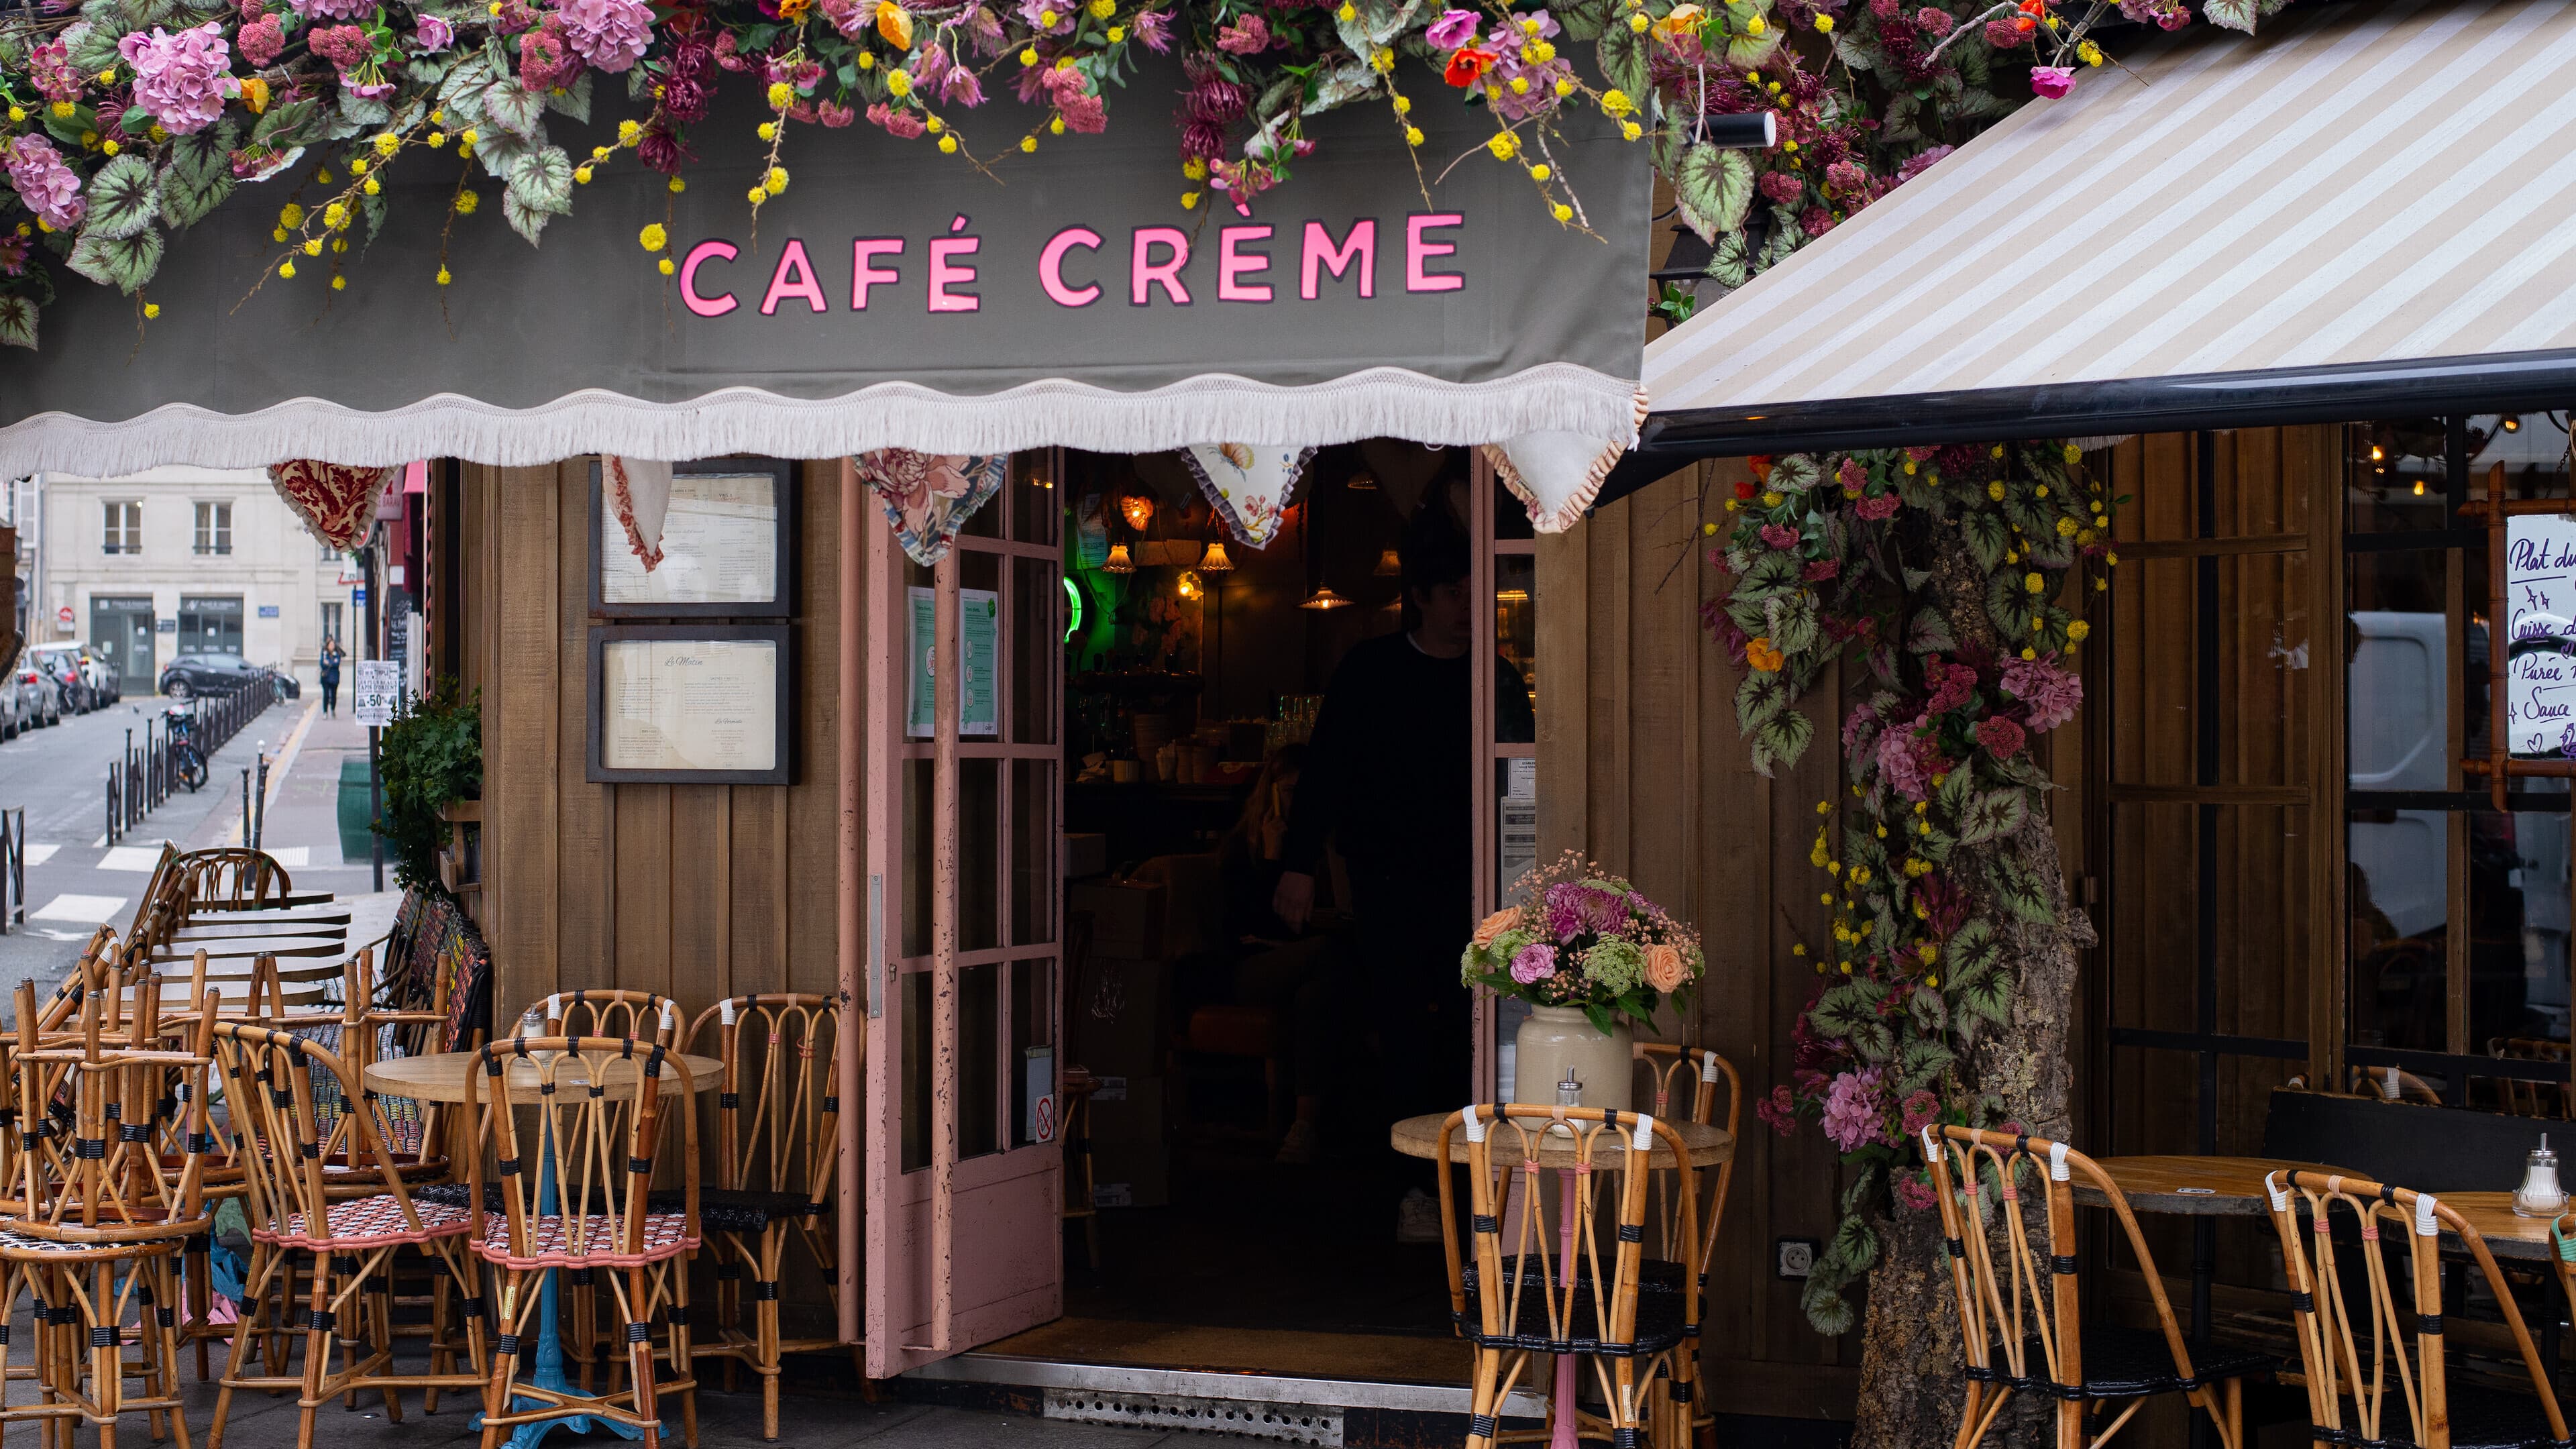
(330, 674)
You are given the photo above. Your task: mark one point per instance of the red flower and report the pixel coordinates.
(1762, 464)
(1744, 491)
(1467, 65)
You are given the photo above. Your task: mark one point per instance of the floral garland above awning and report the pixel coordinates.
(128, 121)
(929, 496)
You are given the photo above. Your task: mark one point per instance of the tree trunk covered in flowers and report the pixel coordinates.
(1912, 1319)
(1945, 993)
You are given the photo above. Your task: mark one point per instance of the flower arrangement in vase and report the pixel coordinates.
(1581, 947)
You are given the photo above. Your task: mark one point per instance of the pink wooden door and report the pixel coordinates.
(962, 968)
(1502, 554)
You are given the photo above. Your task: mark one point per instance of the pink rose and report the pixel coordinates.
(1665, 969)
(1492, 927)
(2051, 81)
(1535, 963)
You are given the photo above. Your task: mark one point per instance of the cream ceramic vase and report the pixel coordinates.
(1557, 1037)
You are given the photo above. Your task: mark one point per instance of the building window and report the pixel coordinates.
(123, 532)
(214, 528)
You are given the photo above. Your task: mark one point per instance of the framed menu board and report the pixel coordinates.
(706, 704)
(725, 554)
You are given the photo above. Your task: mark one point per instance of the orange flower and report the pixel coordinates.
(1665, 969)
(895, 24)
(1761, 464)
(254, 94)
(1467, 65)
(1762, 656)
(1493, 926)
(792, 11)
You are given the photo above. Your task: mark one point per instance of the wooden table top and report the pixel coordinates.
(241, 947)
(2207, 1187)
(1420, 1137)
(440, 1077)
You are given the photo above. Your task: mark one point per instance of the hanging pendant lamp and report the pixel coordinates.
(1325, 598)
(1214, 560)
(1118, 562)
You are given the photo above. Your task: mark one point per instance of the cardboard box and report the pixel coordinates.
(1126, 917)
(1085, 853)
(1128, 1112)
(1131, 1175)
(1118, 1019)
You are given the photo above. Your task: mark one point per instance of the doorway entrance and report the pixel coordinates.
(120, 628)
(209, 625)
(1089, 725)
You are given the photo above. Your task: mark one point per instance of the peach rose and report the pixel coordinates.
(1492, 927)
(1665, 969)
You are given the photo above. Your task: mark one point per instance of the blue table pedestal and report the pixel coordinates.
(549, 1372)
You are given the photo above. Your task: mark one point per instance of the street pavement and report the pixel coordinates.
(76, 880)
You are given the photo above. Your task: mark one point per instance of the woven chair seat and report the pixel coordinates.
(370, 1222)
(458, 1194)
(737, 1210)
(2480, 1419)
(1659, 1313)
(550, 1245)
(2126, 1363)
(16, 1242)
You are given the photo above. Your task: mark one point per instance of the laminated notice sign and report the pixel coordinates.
(2540, 635)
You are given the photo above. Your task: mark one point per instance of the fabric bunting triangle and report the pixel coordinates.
(1250, 485)
(639, 489)
(929, 496)
(337, 503)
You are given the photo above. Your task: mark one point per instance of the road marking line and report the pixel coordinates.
(141, 859)
(89, 910)
(39, 854)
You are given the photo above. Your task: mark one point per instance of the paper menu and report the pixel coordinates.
(719, 545)
(689, 704)
(979, 628)
(2539, 635)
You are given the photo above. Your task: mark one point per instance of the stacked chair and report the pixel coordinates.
(1665, 1062)
(778, 1165)
(103, 1140)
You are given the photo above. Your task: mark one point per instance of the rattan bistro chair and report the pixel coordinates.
(277, 1088)
(2015, 1286)
(777, 1170)
(2357, 1352)
(611, 1013)
(591, 1161)
(1576, 1279)
(1665, 1061)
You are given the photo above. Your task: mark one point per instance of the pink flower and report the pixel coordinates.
(1535, 963)
(1920, 1111)
(1860, 729)
(1779, 535)
(1779, 1111)
(43, 182)
(1821, 570)
(2051, 81)
(1909, 759)
(1883, 506)
(1453, 29)
(2004, 35)
(1852, 476)
(833, 114)
(850, 17)
(50, 67)
(1246, 36)
(332, 9)
(1856, 1109)
(345, 46)
(1781, 187)
(1999, 737)
(1934, 21)
(1063, 12)
(432, 34)
(610, 34)
(1920, 162)
(179, 78)
(1916, 1193)
(1848, 178)
(1154, 27)
(543, 63)
(2049, 695)
(1084, 112)
(903, 124)
(1951, 684)
(13, 254)
(1815, 221)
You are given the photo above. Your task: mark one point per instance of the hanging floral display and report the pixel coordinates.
(1944, 574)
(127, 121)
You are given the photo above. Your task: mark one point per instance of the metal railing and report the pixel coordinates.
(148, 774)
(13, 868)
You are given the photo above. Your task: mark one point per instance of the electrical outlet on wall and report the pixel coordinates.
(1797, 1257)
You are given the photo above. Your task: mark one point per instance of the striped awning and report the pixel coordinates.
(2366, 208)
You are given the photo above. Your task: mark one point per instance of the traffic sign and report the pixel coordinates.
(63, 616)
(371, 699)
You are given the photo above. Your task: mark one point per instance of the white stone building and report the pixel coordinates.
(188, 560)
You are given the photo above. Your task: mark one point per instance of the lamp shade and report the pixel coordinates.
(1214, 560)
(1137, 509)
(1325, 598)
(1118, 562)
(1389, 564)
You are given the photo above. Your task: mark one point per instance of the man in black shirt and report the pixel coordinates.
(1389, 777)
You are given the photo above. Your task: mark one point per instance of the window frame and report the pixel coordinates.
(214, 528)
(121, 527)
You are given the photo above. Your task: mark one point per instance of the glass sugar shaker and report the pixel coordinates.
(2540, 1196)
(1569, 1093)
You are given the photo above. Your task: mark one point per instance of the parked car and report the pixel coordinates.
(106, 682)
(63, 662)
(193, 674)
(13, 706)
(43, 694)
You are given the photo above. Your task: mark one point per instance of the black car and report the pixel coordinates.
(191, 674)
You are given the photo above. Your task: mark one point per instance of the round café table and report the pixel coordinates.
(440, 1077)
(1702, 1145)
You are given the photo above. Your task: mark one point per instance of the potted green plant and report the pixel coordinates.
(430, 757)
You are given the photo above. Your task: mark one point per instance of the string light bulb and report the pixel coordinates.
(1137, 509)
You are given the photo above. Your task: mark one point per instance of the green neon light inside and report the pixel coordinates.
(1073, 624)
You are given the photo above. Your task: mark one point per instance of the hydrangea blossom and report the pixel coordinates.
(610, 34)
(43, 182)
(1856, 1109)
(2049, 695)
(333, 9)
(181, 79)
